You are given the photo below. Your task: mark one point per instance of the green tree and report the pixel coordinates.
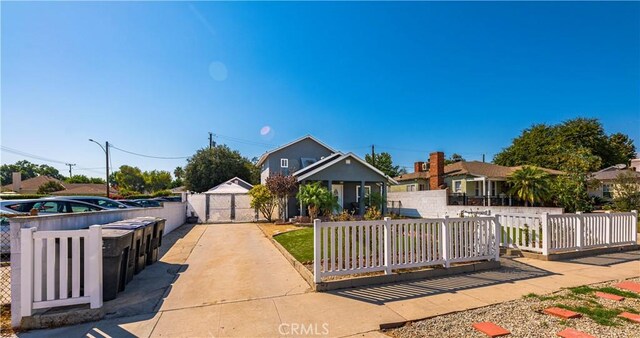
(84, 179)
(49, 187)
(530, 184)
(570, 191)
(178, 172)
(626, 191)
(281, 187)
(210, 167)
(254, 171)
(263, 200)
(453, 159)
(384, 163)
(129, 179)
(156, 180)
(28, 170)
(316, 197)
(548, 145)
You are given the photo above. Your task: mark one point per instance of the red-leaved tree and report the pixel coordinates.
(282, 187)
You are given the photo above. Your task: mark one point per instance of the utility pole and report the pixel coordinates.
(211, 143)
(70, 165)
(107, 163)
(373, 155)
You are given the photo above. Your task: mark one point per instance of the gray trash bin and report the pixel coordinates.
(138, 257)
(116, 248)
(156, 239)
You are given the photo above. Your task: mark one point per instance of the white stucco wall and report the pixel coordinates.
(433, 203)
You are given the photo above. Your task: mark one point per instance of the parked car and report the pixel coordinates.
(168, 199)
(148, 203)
(48, 206)
(97, 200)
(131, 204)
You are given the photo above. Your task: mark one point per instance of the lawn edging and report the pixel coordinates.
(559, 256)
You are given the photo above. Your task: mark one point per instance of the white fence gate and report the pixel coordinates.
(546, 233)
(60, 268)
(342, 248)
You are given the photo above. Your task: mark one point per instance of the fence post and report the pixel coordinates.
(93, 252)
(444, 240)
(316, 251)
(26, 271)
(497, 228)
(546, 233)
(608, 228)
(579, 230)
(387, 246)
(634, 224)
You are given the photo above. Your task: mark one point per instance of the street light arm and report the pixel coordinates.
(105, 151)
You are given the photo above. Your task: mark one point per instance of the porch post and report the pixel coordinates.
(384, 198)
(361, 202)
(489, 192)
(330, 188)
(484, 191)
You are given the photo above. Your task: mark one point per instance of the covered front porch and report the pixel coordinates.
(349, 193)
(480, 191)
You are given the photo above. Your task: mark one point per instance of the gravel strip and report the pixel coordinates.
(524, 318)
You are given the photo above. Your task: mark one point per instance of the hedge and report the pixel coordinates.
(21, 197)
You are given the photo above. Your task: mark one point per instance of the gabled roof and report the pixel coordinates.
(473, 168)
(84, 189)
(31, 185)
(611, 173)
(316, 164)
(338, 159)
(265, 155)
(235, 185)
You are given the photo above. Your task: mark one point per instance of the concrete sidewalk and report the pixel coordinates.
(233, 282)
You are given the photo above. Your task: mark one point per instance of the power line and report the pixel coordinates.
(149, 156)
(44, 159)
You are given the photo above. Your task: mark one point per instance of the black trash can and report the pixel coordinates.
(116, 248)
(156, 240)
(138, 257)
(149, 225)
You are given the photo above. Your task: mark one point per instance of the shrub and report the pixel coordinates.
(372, 214)
(20, 197)
(162, 193)
(344, 216)
(49, 187)
(263, 200)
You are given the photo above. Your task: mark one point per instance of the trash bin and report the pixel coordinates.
(156, 239)
(116, 248)
(149, 225)
(138, 257)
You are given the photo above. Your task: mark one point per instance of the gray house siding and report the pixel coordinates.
(355, 171)
(306, 148)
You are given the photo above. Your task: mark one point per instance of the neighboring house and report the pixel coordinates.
(309, 160)
(468, 182)
(30, 186)
(606, 178)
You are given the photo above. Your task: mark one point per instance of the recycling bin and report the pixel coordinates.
(156, 240)
(138, 257)
(116, 248)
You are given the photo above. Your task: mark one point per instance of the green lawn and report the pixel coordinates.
(299, 243)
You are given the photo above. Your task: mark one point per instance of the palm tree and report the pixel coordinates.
(316, 197)
(530, 184)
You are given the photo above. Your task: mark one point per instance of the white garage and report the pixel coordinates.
(226, 202)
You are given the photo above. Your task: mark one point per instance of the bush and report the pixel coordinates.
(344, 216)
(372, 214)
(263, 200)
(20, 197)
(162, 193)
(49, 187)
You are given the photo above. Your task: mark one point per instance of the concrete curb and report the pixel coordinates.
(559, 256)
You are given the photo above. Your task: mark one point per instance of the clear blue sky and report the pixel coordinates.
(411, 78)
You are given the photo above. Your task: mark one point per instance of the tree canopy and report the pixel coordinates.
(209, 167)
(49, 187)
(132, 180)
(530, 184)
(551, 146)
(28, 170)
(384, 163)
(84, 179)
(455, 157)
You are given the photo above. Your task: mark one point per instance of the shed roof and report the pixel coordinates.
(235, 185)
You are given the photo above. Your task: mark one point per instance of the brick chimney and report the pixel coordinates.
(17, 182)
(436, 170)
(418, 167)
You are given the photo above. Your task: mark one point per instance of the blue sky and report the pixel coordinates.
(411, 78)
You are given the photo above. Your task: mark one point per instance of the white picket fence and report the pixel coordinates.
(60, 268)
(342, 248)
(547, 234)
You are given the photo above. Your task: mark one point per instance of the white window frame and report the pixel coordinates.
(284, 163)
(367, 192)
(607, 190)
(457, 186)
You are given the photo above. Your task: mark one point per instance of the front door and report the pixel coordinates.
(338, 191)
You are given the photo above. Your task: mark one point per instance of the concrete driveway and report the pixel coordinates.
(232, 281)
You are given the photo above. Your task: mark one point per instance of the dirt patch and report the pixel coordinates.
(5, 321)
(524, 317)
(271, 229)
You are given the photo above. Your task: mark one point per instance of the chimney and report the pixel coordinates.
(635, 163)
(17, 182)
(436, 170)
(418, 167)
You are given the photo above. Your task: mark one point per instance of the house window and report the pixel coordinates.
(478, 188)
(494, 185)
(411, 187)
(422, 187)
(367, 192)
(284, 163)
(606, 190)
(457, 186)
